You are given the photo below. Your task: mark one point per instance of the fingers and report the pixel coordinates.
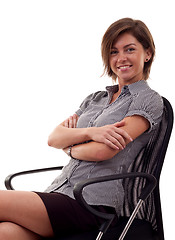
(124, 134)
(115, 141)
(119, 124)
(71, 122)
(113, 144)
(117, 138)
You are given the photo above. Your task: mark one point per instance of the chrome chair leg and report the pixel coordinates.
(131, 219)
(99, 235)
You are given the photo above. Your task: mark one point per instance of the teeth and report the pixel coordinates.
(124, 67)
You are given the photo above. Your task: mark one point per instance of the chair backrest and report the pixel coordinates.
(150, 160)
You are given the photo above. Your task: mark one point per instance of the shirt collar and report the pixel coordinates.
(133, 88)
(137, 86)
(112, 89)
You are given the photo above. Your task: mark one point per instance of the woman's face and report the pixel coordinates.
(127, 58)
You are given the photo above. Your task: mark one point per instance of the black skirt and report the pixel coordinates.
(67, 216)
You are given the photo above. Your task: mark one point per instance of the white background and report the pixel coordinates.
(50, 61)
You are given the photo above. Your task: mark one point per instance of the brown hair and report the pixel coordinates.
(139, 30)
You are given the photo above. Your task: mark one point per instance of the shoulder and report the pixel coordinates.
(147, 103)
(94, 96)
(144, 95)
(148, 99)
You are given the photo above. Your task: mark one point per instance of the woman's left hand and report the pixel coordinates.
(111, 135)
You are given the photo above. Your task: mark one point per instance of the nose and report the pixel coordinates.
(122, 57)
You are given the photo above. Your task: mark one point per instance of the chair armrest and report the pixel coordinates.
(9, 178)
(151, 183)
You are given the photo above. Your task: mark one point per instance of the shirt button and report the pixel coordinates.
(90, 124)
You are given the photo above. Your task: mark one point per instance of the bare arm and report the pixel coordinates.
(95, 151)
(66, 134)
(63, 137)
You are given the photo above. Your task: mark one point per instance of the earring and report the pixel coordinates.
(147, 60)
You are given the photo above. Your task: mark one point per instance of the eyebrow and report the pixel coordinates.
(126, 45)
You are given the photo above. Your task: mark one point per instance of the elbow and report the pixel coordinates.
(52, 142)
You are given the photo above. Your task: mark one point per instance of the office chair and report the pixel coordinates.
(141, 216)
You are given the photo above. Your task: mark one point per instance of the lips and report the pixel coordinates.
(124, 67)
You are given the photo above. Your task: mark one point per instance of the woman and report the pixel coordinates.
(103, 137)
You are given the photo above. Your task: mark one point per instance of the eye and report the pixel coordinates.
(130, 50)
(113, 52)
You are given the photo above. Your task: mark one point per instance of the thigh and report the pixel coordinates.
(25, 209)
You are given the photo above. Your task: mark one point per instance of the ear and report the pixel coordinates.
(148, 54)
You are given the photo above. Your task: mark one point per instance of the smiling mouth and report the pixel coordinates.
(124, 67)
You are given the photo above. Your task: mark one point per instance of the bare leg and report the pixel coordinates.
(26, 213)
(13, 231)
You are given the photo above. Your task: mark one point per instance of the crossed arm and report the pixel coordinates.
(97, 143)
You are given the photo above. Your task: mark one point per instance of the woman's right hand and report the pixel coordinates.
(111, 135)
(71, 122)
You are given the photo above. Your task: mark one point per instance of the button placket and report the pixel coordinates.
(91, 122)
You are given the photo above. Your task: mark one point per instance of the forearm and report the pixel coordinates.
(111, 137)
(66, 135)
(63, 137)
(92, 151)
(99, 151)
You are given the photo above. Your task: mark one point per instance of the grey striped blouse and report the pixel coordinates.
(135, 99)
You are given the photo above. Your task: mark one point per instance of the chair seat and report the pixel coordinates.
(139, 229)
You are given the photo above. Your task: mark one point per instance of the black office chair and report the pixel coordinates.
(141, 216)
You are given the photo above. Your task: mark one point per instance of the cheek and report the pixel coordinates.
(140, 62)
(112, 63)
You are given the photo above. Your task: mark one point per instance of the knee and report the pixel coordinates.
(6, 231)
